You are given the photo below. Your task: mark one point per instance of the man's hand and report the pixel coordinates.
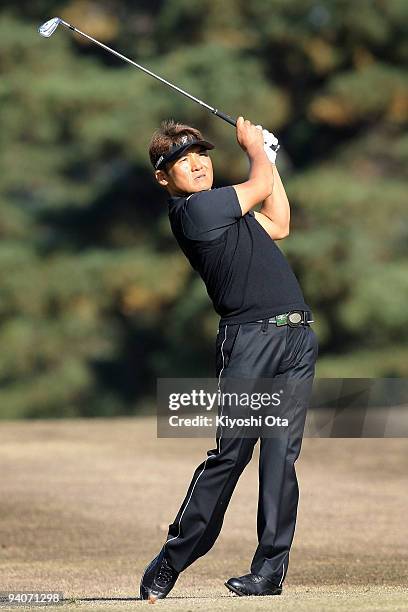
(250, 139)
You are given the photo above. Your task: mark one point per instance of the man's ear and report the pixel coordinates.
(161, 178)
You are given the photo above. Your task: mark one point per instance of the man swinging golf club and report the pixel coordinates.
(264, 332)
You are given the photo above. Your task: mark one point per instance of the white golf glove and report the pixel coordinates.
(270, 141)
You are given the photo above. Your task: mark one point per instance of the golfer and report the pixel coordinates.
(264, 333)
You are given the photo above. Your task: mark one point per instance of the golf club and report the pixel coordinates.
(48, 28)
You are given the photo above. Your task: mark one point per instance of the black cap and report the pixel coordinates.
(176, 150)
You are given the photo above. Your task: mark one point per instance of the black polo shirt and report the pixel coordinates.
(246, 275)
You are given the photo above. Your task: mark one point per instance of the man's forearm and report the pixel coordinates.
(276, 206)
(261, 173)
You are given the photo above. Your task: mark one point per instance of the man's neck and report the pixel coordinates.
(179, 194)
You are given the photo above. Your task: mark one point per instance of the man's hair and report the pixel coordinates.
(170, 132)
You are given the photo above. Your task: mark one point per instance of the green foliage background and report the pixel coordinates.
(96, 301)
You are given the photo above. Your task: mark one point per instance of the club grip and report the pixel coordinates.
(226, 118)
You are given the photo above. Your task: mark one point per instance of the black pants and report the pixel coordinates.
(251, 350)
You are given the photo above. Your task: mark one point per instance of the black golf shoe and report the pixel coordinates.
(158, 578)
(252, 584)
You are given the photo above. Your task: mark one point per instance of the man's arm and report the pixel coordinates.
(274, 215)
(259, 185)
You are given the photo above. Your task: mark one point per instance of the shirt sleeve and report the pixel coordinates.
(207, 214)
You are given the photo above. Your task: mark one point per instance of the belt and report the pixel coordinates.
(294, 318)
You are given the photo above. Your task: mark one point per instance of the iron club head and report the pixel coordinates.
(48, 28)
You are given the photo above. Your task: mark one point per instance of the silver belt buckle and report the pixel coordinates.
(295, 318)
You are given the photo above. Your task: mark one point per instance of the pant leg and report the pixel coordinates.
(278, 486)
(200, 518)
(201, 515)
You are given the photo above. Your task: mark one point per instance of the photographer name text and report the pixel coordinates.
(226, 421)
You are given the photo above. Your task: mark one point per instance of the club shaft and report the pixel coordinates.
(215, 111)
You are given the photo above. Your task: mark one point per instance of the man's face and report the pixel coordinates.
(190, 173)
